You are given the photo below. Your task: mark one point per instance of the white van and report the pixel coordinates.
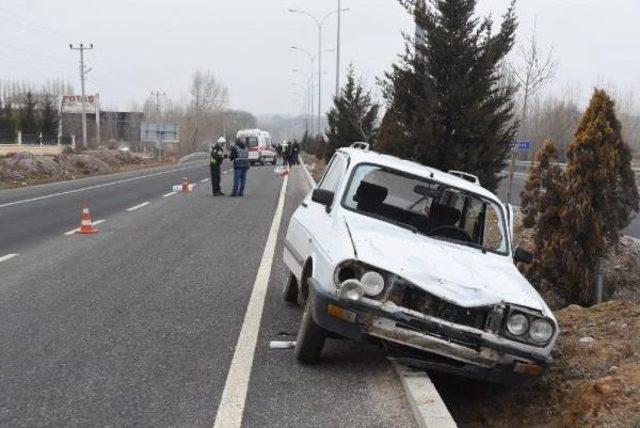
(259, 146)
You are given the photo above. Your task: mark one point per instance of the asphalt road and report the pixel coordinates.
(519, 180)
(138, 324)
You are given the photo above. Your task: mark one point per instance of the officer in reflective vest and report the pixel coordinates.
(215, 161)
(240, 157)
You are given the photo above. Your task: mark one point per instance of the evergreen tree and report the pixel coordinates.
(542, 203)
(48, 119)
(448, 103)
(353, 116)
(601, 192)
(7, 124)
(28, 123)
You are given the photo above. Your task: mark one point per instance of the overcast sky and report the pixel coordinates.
(148, 45)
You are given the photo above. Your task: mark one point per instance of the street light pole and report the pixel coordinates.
(319, 23)
(338, 50)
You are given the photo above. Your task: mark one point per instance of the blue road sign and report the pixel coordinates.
(523, 146)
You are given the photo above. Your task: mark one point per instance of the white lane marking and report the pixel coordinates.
(204, 181)
(95, 223)
(97, 186)
(234, 394)
(144, 204)
(8, 256)
(169, 194)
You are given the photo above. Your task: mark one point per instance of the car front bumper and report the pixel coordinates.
(427, 342)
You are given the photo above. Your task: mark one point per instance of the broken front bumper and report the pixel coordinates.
(426, 341)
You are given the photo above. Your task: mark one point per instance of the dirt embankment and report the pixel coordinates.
(24, 168)
(594, 380)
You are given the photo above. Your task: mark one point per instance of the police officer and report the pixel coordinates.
(240, 157)
(215, 160)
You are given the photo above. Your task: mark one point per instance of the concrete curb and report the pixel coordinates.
(428, 408)
(312, 182)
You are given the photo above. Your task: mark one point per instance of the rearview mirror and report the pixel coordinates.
(323, 197)
(522, 256)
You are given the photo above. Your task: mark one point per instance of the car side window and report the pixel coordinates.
(335, 172)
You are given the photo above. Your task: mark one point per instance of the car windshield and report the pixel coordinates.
(427, 207)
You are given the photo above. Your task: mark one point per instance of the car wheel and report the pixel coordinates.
(290, 290)
(310, 339)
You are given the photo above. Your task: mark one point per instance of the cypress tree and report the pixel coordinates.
(48, 119)
(7, 124)
(449, 105)
(542, 203)
(352, 118)
(601, 192)
(28, 123)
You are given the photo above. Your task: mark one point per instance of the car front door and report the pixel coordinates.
(313, 225)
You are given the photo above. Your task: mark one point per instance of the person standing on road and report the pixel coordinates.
(285, 152)
(295, 153)
(240, 157)
(215, 161)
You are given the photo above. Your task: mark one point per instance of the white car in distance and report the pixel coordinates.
(421, 259)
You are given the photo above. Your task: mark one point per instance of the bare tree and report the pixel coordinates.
(537, 69)
(208, 95)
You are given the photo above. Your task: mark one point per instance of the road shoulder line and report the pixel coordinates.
(234, 394)
(8, 256)
(428, 408)
(96, 186)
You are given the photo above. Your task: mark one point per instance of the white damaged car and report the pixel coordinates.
(421, 259)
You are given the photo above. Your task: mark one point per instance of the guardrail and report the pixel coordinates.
(192, 156)
(634, 165)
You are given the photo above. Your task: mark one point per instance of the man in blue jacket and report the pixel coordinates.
(240, 158)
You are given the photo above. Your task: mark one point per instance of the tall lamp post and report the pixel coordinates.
(312, 60)
(319, 23)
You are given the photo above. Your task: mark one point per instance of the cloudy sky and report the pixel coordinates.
(148, 45)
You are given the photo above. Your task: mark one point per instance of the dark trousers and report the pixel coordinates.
(239, 181)
(215, 178)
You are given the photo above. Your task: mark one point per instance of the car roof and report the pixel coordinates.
(414, 168)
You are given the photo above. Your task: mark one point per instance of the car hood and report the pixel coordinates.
(463, 275)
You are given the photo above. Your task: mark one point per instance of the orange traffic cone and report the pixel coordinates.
(86, 226)
(185, 184)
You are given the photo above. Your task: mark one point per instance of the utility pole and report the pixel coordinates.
(338, 50)
(158, 94)
(83, 74)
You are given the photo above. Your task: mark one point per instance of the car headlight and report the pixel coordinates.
(351, 289)
(373, 283)
(518, 324)
(541, 330)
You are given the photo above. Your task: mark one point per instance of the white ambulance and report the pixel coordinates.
(259, 145)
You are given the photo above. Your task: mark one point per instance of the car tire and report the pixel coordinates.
(290, 290)
(311, 338)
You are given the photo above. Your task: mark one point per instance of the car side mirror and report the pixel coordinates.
(323, 197)
(522, 256)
